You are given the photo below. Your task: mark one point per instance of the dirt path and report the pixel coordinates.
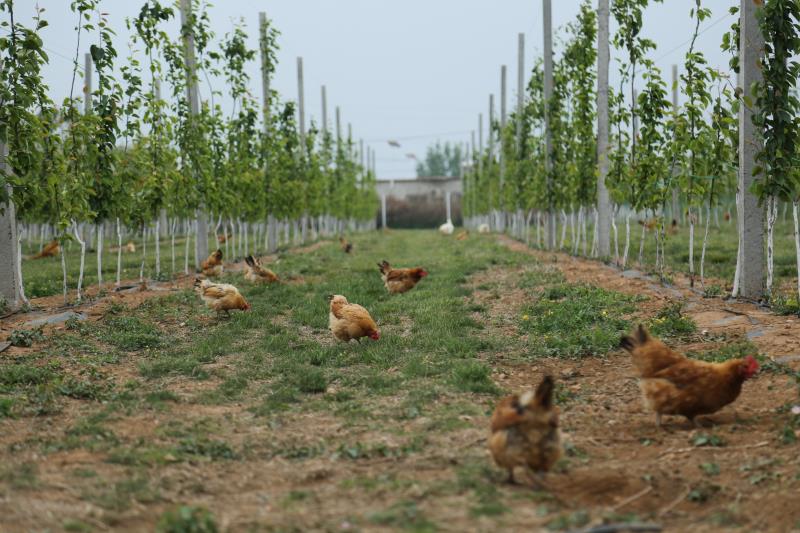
(618, 460)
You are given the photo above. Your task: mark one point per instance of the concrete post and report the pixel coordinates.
(603, 200)
(548, 94)
(10, 276)
(193, 99)
(751, 223)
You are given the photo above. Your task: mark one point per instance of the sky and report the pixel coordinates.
(415, 71)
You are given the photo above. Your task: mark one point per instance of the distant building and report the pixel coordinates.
(420, 202)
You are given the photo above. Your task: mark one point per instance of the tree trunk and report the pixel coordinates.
(119, 252)
(797, 244)
(99, 233)
(737, 276)
(157, 236)
(691, 246)
(11, 286)
(703, 252)
(641, 244)
(603, 224)
(772, 215)
(627, 239)
(144, 253)
(186, 248)
(77, 233)
(172, 244)
(616, 235)
(64, 269)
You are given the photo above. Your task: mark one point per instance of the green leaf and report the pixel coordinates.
(97, 53)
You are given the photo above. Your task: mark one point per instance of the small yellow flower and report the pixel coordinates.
(525, 317)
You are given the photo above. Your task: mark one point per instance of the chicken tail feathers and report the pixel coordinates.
(544, 392)
(639, 337)
(250, 261)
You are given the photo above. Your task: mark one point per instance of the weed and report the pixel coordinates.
(703, 492)
(6, 407)
(478, 478)
(24, 338)
(712, 291)
(187, 519)
(566, 521)
(703, 439)
(119, 496)
(205, 447)
(710, 469)
(312, 380)
(726, 352)
(404, 514)
(76, 526)
(23, 476)
(670, 322)
(785, 305)
(131, 334)
(21, 374)
(472, 376)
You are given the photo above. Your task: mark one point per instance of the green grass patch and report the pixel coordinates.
(670, 322)
(571, 320)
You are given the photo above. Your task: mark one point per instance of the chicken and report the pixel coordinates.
(213, 265)
(483, 229)
(350, 321)
(220, 297)
(447, 228)
(672, 384)
(51, 249)
(650, 224)
(399, 280)
(346, 246)
(727, 216)
(256, 273)
(673, 228)
(462, 235)
(222, 238)
(524, 431)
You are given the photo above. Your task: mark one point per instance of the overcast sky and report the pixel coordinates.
(411, 70)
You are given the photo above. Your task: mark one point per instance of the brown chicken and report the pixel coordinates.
(398, 280)
(650, 224)
(128, 248)
(673, 228)
(524, 431)
(222, 238)
(51, 249)
(213, 265)
(347, 247)
(350, 321)
(220, 297)
(672, 384)
(256, 273)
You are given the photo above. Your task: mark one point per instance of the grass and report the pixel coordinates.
(573, 320)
